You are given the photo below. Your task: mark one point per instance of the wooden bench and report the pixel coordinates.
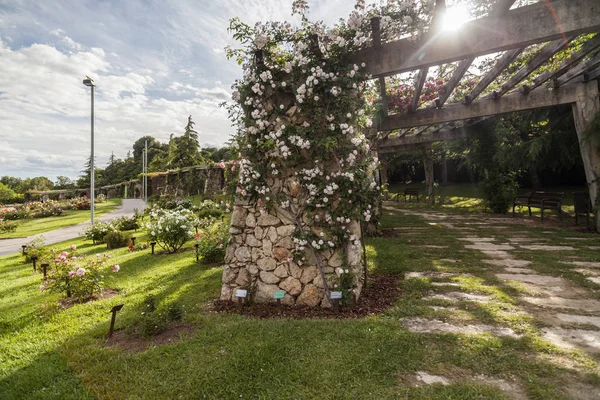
(583, 206)
(410, 193)
(541, 200)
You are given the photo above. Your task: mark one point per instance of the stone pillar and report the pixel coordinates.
(259, 258)
(584, 111)
(428, 165)
(215, 180)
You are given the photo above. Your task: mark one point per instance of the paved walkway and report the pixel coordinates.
(128, 207)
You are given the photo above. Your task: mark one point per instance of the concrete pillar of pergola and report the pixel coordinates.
(585, 110)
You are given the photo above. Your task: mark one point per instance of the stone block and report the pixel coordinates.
(311, 296)
(268, 220)
(243, 254)
(281, 271)
(251, 240)
(267, 264)
(281, 253)
(308, 274)
(291, 285)
(251, 220)
(238, 217)
(269, 277)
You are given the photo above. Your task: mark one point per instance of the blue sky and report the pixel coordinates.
(154, 62)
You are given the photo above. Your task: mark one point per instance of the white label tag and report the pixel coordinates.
(335, 295)
(241, 293)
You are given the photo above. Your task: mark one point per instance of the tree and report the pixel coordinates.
(84, 178)
(63, 182)
(184, 150)
(6, 193)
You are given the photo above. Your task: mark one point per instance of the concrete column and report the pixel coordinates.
(428, 165)
(444, 168)
(584, 111)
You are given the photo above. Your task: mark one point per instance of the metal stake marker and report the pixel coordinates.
(197, 254)
(112, 319)
(23, 247)
(34, 260)
(133, 240)
(152, 244)
(45, 268)
(335, 298)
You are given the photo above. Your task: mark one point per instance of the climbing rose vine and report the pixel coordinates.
(303, 130)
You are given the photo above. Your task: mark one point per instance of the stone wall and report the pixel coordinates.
(259, 259)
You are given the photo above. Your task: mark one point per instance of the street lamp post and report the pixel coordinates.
(90, 82)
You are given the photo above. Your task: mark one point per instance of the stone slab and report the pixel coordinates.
(543, 247)
(579, 319)
(543, 280)
(586, 305)
(573, 338)
(510, 263)
(486, 246)
(455, 297)
(428, 274)
(586, 264)
(424, 325)
(515, 270)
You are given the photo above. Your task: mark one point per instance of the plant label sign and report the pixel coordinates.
(335, 295)
(241, 293)
(279, 294)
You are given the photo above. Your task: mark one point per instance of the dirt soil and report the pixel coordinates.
(135, 343)
(381, 293)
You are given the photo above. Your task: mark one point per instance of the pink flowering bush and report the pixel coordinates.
(212, 242)
(78, 276)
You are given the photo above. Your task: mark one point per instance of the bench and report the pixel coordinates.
(583, 206)
(541, 200)
(410, 193)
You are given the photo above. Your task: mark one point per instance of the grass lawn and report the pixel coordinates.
(47, 352)
(34, 226)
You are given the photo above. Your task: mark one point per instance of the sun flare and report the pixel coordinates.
(455, 17)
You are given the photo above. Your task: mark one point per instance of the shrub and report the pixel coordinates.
(125, 223)
(499, 190)
(116, 239)
(98, 231)
(212, 242)
(171, 228)
(36, 248)
(48, 208)
(210, 213)
(101, 198)
(169, 202)
(78, 276)
(155, 319)
(80, 203)
(7, 226)
(14, 213)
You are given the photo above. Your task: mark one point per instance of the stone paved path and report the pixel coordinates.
(128, 207)
(545, 305)
(556, 301)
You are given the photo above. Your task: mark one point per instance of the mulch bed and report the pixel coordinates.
(134, 342)
(381, 293)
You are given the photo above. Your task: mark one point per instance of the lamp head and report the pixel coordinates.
(88, 81)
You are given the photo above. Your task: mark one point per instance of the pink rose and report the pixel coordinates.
(73, 247)
(42, 287)
(71, 274)
(80, 271)
(116, 268)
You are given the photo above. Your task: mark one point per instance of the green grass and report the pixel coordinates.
(34, 226)
(47, 352)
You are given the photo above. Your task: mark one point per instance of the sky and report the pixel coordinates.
(155, 62)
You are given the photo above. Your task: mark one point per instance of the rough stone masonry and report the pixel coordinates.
(259, 258)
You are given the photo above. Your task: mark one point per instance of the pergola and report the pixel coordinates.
(553, 23)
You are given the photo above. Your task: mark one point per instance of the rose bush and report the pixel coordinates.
(212, 242)
(171, 229)
(80, 277)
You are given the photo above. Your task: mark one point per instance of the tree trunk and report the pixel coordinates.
(444, 169)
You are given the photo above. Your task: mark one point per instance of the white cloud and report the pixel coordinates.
(151, 73)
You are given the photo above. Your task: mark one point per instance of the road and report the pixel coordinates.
(127, 208)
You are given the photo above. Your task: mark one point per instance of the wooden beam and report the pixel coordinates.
(578, 70)
(418, 88)
(491, 76)
(591, 75)
(460, 71)
(499, 9)
(376, 32)
(521, 27)
(536, 62)
(538, 98)
(586, 48)
(429, 137)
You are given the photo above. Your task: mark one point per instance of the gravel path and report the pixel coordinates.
(128, 207)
